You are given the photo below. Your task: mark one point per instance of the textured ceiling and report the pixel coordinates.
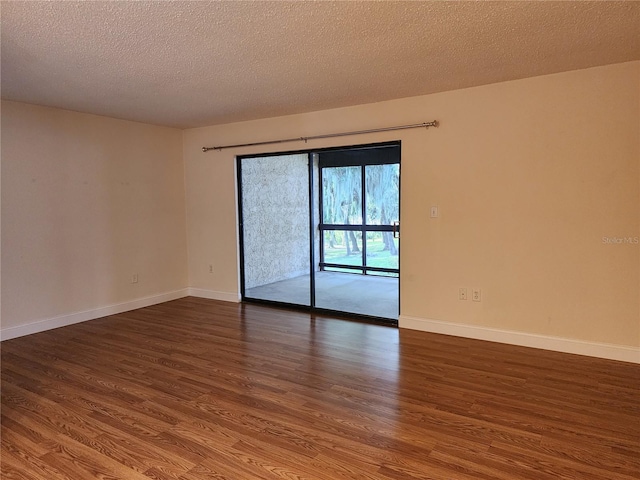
(196, 63)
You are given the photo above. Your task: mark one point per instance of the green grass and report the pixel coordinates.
(376, 255)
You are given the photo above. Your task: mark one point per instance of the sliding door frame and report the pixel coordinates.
(312, 227)
(241, 242)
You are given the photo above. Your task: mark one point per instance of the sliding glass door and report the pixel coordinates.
(320, 229)
(360, 209)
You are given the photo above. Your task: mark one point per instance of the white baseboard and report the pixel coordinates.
(579, 347)
(77, 317)
(214, 295)
(566, 345)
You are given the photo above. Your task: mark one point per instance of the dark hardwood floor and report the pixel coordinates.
(198, 389)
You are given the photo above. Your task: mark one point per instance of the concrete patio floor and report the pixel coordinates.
(345, 292)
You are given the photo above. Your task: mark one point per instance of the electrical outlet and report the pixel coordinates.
(433, 211)
(210, 268)
(462, 294)
(476, 295)
(134, 278)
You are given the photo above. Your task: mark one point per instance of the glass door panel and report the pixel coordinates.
(360, 200)
(275, 228)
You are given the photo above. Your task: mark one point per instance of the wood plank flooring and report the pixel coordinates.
(198, 389)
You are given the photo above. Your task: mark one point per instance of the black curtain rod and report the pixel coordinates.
(434, 123)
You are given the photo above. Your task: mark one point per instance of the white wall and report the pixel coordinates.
(529, 175)
(87, 201)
